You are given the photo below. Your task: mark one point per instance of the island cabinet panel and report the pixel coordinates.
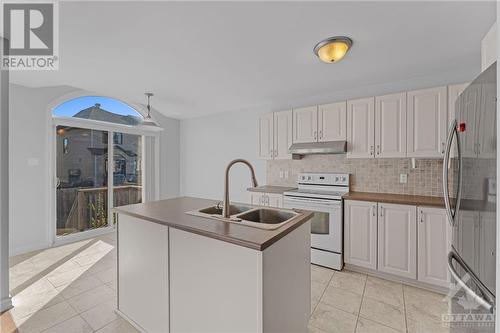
(143, 273)
(214, 286)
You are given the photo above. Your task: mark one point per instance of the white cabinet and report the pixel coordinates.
(282, 134)
(265, 135)
(361, 128)
(320, 123)
(453, 92)
(469, 237)
(486, 138)
(427, 122)
(360, 233)
(266, 199)
(397, 237)
(390, 125)
(305, 124)
(434, 239)
(274, 135)
(332, 120)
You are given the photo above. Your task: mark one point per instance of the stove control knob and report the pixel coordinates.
(343, 179)
(303, 177)
(337, 179)
(308, 177)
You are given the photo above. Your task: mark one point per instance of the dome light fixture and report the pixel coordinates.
(332, 49)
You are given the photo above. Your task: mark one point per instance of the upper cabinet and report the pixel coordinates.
(274, 135)
(282, 134)
(453, 92)
(427, 122)
(390, 125)
(332, 120)
(361, 128)
(305, 124)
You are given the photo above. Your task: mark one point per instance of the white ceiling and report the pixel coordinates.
(209, 57)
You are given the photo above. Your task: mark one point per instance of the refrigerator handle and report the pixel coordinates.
(489, 303)
(446, 160)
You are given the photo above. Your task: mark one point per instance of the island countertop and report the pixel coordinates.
(172, 213)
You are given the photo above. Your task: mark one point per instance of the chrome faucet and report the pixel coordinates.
(225, 204)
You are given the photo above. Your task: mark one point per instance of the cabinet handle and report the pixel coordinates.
(421, 216)
(478, 149)
(320, 134)
(378, 149)
(315, 135)
(381, 211)
(371, 150)
(374, 210)
(442, 148)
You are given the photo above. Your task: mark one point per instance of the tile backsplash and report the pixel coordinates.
(367, 175)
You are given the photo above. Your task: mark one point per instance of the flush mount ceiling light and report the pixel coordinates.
(332, 49)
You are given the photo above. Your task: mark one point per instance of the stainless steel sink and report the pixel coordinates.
(257, 217)
(267, 216)
(217, 210)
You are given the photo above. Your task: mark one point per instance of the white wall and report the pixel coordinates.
(29, 165)
(209, 143)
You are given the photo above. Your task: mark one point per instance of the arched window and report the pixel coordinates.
(99, 108)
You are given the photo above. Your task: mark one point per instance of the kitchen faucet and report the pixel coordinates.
(225, 204)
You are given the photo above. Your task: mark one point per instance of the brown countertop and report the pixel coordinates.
(172, 213)
(417, 200)
(270, 189)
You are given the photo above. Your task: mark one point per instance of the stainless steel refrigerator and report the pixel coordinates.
(469, 186)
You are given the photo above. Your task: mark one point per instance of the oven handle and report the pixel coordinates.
(313, 202)
(489, 303)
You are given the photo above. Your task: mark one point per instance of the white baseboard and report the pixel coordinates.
(5, 304)
(130, 321)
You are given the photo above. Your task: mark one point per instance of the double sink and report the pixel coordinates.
(258, 217)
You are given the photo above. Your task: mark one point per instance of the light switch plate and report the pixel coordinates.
(403, 178)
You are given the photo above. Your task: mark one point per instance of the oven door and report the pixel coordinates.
(326, 224)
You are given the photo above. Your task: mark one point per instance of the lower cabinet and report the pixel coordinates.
(360, 233)
(390, 238)
(397, 240)
(266, 199)
(434, 239)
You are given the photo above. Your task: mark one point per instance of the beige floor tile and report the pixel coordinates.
(38, 286)
(72, 325)
(342, 299)
(89, 299)
(107, 275)
(312, 329)
(61, 279)
(27, 304)
(426, 325)
(422, 303)
(384, 291)
(46, 318)
(113, 284)
(101, 315)
(332, 320)
(102, 265)
(368, 326)
(351, 281)
(382, 313)
(321, 274)
(90, 259)
(118, 326)
(79, 286)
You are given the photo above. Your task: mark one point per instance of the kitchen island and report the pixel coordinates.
(183, 273)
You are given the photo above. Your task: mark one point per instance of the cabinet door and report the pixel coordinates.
(486, 133)
(487, 249)
(453, 92)
(332, 120)
(275, 200)
(470, 104)
(390, 125)
(360, 233)
(434, 238)
(361, 128)
(427, 122)
(305, 124)
(468, 237)
(282, 134)
(257, 198)
(397, 240)
(265, 137)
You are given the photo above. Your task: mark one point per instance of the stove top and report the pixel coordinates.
(321, 185)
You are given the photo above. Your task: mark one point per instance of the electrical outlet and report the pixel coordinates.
(403, 178)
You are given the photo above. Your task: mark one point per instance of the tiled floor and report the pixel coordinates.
(72, 289)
